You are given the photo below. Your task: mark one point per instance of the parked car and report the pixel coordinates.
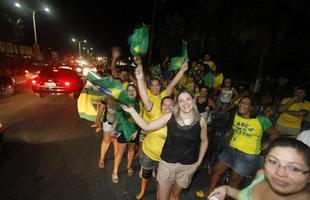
(7, 83)
(34, 69)
(57, 81)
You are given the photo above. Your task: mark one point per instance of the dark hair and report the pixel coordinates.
(253, 104)
(154, 78)
(132, 85)
(203, 86)
(299, 146)
(166, 97)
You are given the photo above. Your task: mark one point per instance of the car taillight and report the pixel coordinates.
(67, 83)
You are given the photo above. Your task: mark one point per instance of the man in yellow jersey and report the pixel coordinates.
(292, 111)
(154, 141)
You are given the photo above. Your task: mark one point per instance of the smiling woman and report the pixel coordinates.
(285, 174)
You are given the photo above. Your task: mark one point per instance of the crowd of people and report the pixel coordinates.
(172, 113)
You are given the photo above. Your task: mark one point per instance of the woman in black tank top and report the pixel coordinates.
(185, 145)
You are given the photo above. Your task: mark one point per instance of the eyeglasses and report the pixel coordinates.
(292, 169)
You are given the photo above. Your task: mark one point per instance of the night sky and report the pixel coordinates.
(103, 26)
(235, 32)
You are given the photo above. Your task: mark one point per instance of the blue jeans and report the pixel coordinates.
(244, 164)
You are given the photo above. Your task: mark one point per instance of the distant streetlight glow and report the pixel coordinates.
(79, 43)
(18, 5)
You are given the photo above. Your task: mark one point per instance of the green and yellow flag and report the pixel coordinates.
(124, 125)
(108, 85)
(177, 62)
(87, 103)
(139, 41)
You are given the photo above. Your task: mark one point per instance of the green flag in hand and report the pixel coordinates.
(139, 41)
(177, 62)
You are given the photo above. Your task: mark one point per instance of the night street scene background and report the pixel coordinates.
(49, 152)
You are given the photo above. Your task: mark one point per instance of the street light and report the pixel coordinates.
(18, 5)
(79, 43)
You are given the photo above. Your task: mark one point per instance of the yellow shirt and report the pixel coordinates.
(292, 121)
(248, 133)
(211, 65)
(217, 80)
(187, 82)
(154, 141)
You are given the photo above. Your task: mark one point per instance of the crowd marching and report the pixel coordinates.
(169, 116)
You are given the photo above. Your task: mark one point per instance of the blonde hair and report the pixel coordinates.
(176, 110)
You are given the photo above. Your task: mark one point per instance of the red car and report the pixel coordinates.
(57, 81)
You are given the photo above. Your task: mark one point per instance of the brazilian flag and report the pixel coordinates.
(87, 102)
(110, 86)
(124, 125)
(177, 62)
(139, 41)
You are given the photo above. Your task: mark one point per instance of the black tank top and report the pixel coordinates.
(202, 106)
(182, 143)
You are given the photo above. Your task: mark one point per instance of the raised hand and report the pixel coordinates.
(185, 65)
(127, 108)
(116, 52)
(139, 69)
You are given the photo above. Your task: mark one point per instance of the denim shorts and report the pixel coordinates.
(147, 163)
(244, 164)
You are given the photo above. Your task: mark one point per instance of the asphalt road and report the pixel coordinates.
(50, 153)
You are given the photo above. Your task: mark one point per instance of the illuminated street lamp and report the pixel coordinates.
(79, 43)
(33, 19)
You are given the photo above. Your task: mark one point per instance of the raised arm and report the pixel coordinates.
(116, 53)
(204, 140)
(142, 85)
(147, 126)
(177, 78)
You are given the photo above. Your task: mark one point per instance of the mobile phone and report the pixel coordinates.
(213, 198)
(116, 134)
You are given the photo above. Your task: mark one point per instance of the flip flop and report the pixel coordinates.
(115, 178)
(201, 194)
(130, 172)
(101, 164)
(98, 129)
(94, 125)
